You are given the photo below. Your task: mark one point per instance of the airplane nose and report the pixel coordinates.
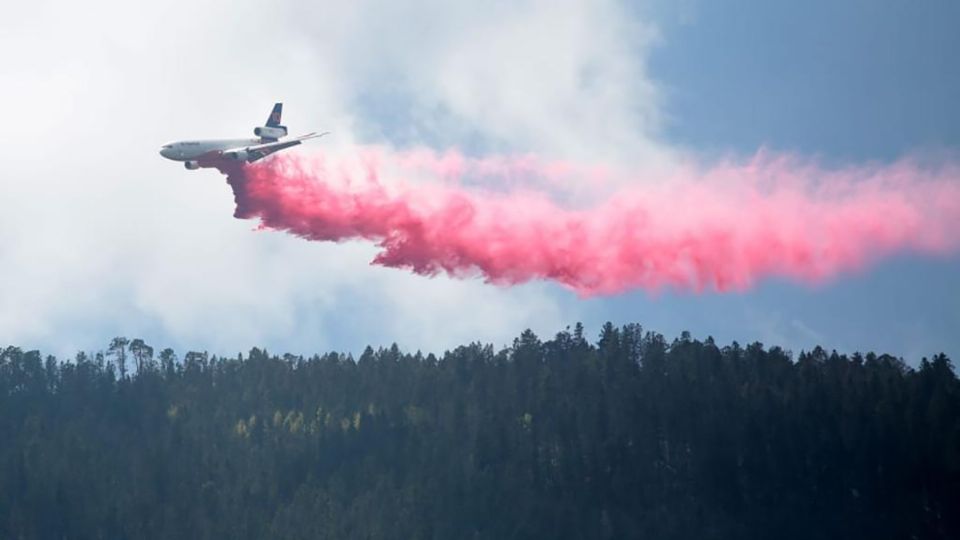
(165, 152)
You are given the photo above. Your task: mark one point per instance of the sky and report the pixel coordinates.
(100, 236)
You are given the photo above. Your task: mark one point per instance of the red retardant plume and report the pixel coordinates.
(722, 228)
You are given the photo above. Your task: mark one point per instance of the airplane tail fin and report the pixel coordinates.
(274, 119)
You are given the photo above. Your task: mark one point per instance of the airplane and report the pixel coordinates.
(210, 153)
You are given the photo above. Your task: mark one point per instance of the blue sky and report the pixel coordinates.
(846, 82)
(854, 80)
(106, 238)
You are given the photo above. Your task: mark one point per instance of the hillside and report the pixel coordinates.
(631, 436)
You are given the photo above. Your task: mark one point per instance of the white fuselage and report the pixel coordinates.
(192, 150)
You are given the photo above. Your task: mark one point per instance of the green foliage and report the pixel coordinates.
(633, 436)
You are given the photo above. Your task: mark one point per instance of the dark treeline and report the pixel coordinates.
(629, 437)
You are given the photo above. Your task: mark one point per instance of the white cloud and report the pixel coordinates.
(99, 236)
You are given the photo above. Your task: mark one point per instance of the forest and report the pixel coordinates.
(630, 435)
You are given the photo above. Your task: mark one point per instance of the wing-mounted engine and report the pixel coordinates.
(236, 155)
(191, 165)
(270, 133)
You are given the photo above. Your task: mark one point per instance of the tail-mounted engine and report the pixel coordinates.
(267, 132)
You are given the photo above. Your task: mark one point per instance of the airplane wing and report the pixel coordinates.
(261, 151)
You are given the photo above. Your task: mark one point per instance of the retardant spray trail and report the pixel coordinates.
(724, 227)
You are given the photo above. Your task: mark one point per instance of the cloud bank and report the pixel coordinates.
(101, 237)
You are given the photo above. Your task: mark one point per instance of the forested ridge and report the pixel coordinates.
(631, 436)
